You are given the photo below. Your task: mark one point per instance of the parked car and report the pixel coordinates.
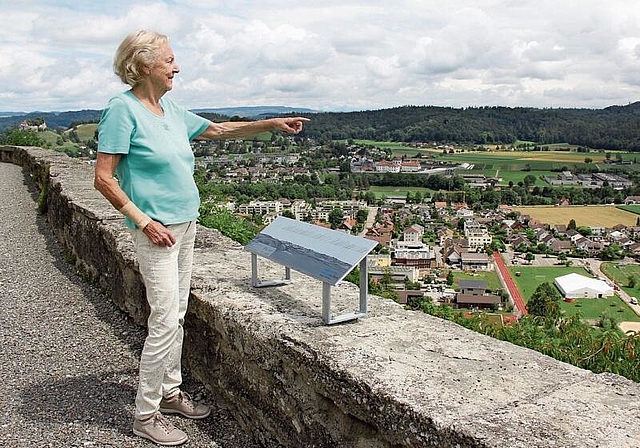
(633, 301)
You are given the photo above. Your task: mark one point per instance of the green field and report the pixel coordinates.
(620, 274)
(381, 192)
(531, 277)
(514, 176)
(391, 145)
(86, 131)
(633, 208)
(49, 137)
(556, 155)
(493, 282)
(593, 308)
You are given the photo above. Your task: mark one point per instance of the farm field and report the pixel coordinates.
(632, 208)
(591, 215)
(400, 146)
(519, 157)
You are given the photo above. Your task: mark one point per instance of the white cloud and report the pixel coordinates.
(348, 54)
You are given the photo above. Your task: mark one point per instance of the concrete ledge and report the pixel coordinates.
(394, 379)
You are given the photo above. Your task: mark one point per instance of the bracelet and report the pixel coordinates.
(135, 214)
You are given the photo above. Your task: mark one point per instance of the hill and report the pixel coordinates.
(65, 120)
(612, 128)
(54, 120)
(255, 111)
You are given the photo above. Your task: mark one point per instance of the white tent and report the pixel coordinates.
(577, 286)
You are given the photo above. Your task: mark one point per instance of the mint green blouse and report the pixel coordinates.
(157, 163)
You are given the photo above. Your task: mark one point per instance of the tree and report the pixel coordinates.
(612, 252)
(19, 137)
(288, 214)
(362, 215)
(450, 278)
(572, 225)
(631, 281)
(544, 301)
(335, 217)
(529, 180)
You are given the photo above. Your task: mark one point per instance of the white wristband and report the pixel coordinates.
(135, 214)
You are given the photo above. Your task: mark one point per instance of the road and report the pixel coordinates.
(508, 282)
(371, 219)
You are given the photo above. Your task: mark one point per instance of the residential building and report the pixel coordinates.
(472, 261)
(413, 233)
(261, 208)
(477, 235)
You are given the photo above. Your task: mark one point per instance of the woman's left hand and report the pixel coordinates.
(159, 234)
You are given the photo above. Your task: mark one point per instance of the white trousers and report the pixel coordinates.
(166, 272)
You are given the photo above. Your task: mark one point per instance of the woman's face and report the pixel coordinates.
(162, 73)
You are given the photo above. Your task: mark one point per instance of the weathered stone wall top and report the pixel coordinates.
(394, 378)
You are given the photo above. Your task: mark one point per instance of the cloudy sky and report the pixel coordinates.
(330, 55)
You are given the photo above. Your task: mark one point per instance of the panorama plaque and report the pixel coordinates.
(324, 254)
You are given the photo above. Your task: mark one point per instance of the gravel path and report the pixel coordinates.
(68, 356)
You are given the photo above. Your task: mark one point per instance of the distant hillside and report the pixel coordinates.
(64, 120)
(255, 111)
(614, 128)
(54, 120)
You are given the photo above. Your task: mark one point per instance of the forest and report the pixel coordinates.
(612, 128)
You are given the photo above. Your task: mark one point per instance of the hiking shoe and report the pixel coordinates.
(160, 430)
(182, 404)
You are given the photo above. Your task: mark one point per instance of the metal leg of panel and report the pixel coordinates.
(364, 286)
(326, 303)
(256, 283)
(254, 271)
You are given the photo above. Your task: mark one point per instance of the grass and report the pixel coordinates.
(531, 277)
(513, 176)
(390, 145)
(632, 208)
(620, 274)
(594, 308)
(49, 137)
(592, 215)
(493, 282)
(520, 157)
(385, 191)
(86, 131)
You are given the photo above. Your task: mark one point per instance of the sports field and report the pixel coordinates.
(620, 273)
(590, 215)
(530, 277)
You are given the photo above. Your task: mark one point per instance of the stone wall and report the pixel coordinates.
(393, 379)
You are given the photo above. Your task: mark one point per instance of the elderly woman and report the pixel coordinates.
(144, 138)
